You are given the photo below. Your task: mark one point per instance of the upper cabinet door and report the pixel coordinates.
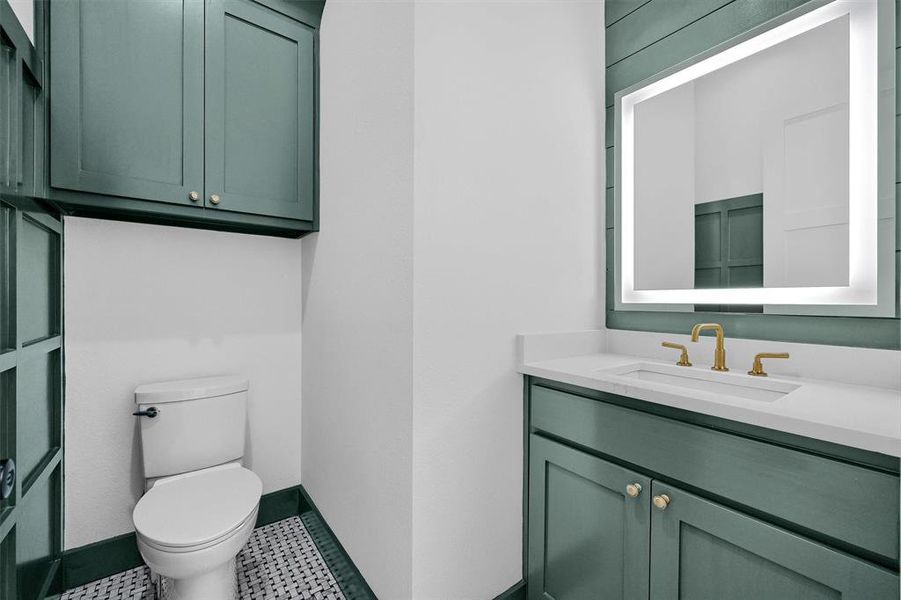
(701, 550)
(588, 537)
(127, 101)
(260, 111)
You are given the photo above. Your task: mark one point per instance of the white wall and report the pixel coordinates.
(145, 303)
(508, 235)
(358, 272)
(412, 439)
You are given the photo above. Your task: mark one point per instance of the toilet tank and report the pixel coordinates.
(199, 423)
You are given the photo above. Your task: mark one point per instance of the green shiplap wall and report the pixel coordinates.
(643, 38)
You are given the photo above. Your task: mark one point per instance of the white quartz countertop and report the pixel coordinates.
(858, 416)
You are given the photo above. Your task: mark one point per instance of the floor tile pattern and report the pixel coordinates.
(280, 561)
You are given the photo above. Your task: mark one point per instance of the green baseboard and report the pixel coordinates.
(101, 559)
(104, 558)
(352, 583)
(85, 564)
(517, 591)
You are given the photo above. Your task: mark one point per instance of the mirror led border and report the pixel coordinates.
(862, 167)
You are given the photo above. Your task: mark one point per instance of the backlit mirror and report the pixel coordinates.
(755, 178)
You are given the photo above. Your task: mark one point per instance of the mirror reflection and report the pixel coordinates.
(741, 176)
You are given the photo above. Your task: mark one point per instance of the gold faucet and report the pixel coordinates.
(757, 369)
(683, 357)
(719, 355)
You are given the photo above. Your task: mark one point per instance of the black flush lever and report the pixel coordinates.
(151, 412)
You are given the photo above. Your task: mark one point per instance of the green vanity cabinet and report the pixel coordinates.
(721, 510)
(702, 550)
(586, 533)
(190, 112)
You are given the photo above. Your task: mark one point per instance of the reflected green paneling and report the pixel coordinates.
(36, 419)
(38, 265)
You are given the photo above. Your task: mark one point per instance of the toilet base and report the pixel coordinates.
(219, 584)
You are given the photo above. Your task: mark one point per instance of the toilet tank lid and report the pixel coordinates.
(189, 389)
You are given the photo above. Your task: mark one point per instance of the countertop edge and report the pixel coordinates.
(872, 442)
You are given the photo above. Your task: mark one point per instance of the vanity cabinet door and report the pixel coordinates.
(587, 537)
(127, 99)
(702, 550)
(260, 111)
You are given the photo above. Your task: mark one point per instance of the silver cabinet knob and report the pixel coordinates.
(193, 196)
(633, 490)
(661, 501)
(215, 199)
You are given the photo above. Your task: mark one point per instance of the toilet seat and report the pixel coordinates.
(197, 510)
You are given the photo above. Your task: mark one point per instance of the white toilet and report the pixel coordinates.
(200, 505)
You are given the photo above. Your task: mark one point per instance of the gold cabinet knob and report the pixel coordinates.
(193, 196)
(633, 490)
(215, 199)
(661, 501)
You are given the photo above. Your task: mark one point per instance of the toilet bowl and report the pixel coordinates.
(190, 528)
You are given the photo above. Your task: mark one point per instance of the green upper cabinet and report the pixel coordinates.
(161, 112)
(259, 121)
(127, 98)
(702, 550)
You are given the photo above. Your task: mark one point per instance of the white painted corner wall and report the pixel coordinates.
(148, 303)
(508, 237)
(358, 292)
(462, 192)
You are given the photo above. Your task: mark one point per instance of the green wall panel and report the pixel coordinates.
(651, 22)
(38, 265)
(36, 419)
(681, 44)
(7, 279)
(617, 9)
(38, 536)
(644, 38)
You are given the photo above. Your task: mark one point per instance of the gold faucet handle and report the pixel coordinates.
(757, 368)
(683, 358)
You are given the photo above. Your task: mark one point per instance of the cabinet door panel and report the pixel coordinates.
(127, 102)
(259, 121)
(702, 550)
(587, 538)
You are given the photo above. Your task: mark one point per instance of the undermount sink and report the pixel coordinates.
(704, 380)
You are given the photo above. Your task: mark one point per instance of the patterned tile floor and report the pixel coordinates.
(280, 561)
